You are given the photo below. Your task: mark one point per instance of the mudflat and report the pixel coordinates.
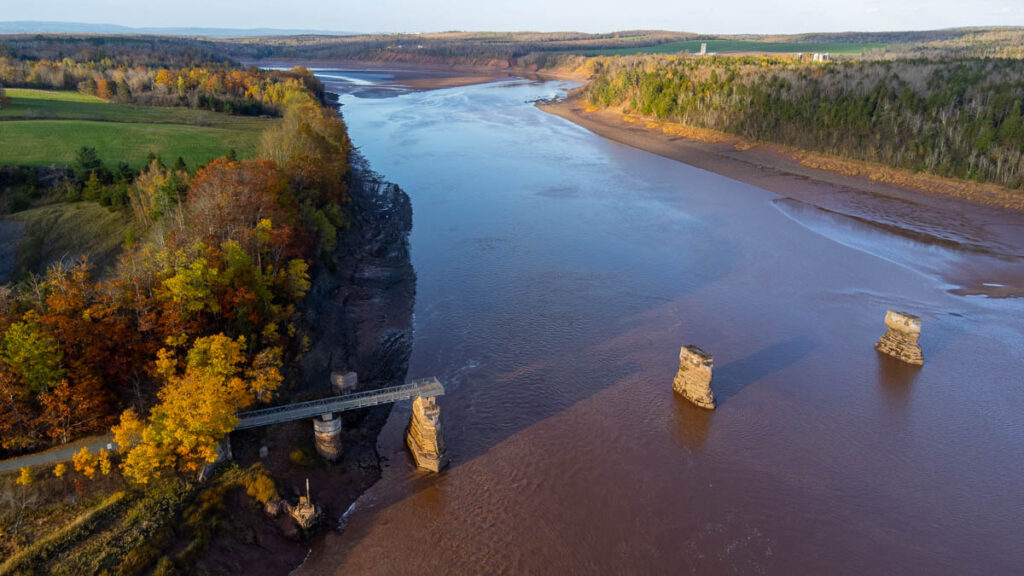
(983, 220)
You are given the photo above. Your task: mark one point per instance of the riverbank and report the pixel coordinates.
(358, 316)
(970, 217)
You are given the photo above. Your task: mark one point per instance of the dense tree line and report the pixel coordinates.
(961, 118)
(519, 49)
(194, 324)
(449, 48)
(148, 51)
(217, 87)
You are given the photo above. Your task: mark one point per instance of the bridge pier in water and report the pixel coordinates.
(327, 433)
(424, 436)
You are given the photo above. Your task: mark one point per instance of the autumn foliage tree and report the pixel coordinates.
(227, 200)
(197, 408)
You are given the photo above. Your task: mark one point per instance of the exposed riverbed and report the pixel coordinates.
(558, 274)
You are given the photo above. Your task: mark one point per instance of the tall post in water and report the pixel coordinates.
(424, 437)
(327, 433)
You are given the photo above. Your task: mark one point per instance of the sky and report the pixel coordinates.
(708, 16)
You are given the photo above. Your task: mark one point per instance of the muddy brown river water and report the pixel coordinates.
(558, 275)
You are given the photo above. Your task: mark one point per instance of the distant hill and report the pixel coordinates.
(30, 27)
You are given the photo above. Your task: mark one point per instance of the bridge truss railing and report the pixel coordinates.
(423, 387)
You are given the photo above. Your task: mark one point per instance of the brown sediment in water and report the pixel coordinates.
(984, 219)
(558, 274)
(740, 159)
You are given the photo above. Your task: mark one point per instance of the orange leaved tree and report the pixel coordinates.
(197, 407)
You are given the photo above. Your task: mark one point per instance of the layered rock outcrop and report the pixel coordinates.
(900, 340)
(424, 436)
(693, 381)
(358, 312)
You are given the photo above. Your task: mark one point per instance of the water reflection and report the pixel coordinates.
(690, 424)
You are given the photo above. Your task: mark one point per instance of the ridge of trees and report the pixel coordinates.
(959, 118)
(217, 87)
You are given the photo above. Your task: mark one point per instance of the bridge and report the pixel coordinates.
(425, 387)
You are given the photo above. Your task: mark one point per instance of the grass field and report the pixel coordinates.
(68, 231)
(48, 127)
(733, 46)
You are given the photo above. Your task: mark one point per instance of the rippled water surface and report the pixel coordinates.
(559, 274)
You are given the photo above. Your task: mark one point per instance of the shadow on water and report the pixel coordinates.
(731, 379)
(690, 424)
(896, 378)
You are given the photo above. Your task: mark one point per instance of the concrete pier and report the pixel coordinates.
(424, 436)
(327, 432)
(900, 340)
(693, 380)
(345, 382)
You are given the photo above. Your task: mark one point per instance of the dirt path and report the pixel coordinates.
(60, 453)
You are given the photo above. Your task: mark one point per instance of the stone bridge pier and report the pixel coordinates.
(424, 436)
(900, 338)
(327, 433)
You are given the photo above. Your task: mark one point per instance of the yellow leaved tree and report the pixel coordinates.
(197, 406)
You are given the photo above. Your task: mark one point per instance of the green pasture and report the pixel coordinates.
(47, 127)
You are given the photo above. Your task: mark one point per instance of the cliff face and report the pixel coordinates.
(358, 313)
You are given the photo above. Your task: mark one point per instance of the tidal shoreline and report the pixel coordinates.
(994, 232)
(358, 316)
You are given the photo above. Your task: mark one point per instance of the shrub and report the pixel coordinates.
(300, 457)
(25, 477)
(259, 485)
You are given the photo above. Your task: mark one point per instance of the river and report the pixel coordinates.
(558, 275)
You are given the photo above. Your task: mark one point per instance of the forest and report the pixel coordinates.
(957, 117)
(197, 309)
(217, 87)
(203, 304)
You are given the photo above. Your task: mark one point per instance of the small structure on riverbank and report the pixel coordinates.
(693, 380)
(900, 338)
(424, 436)
(305, 513)
(345, 382)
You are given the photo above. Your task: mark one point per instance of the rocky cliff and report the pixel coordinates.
(358, 313)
